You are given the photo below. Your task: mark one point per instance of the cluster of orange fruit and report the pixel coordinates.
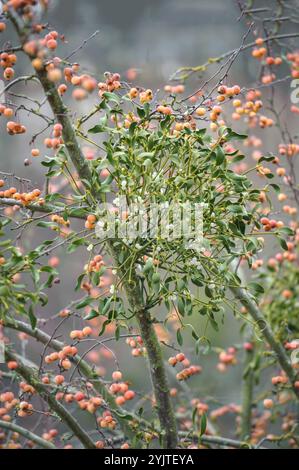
(24, 198)
(25, 409)
(250, 107)
(176, 89)
(57, 219)
(50, 40)
(91, 405)
(105, 421)
(111, 84)
(40, 48)
(145, 96)
(80, 334)
(188, 370)
(293, 57)
(50, 435)
(66, 351)
(136, 345)
(23, 5)
(95, 264)
(56, 140)
(227, 358)
(289, 149)
(14, 128)
(7, 61)
(166, 110)
(8, 402)
(271, 224)
(6, 111)
(86, 83)
(260, 51)
(122, 388)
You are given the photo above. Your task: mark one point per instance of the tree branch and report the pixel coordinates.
(221, 441)
(156, 363)
(247, 395)
(27, 434)
(84, 368)
(43, 208)
(268, 334)
(215, 60)
(31, 377)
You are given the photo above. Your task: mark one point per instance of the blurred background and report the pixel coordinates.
(155, 37)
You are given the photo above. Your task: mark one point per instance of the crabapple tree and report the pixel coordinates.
(196, 144)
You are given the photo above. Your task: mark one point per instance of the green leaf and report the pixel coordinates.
(256, 287)
(283, 243)
(101, 127)
(97, 129)
(203, 424)
(84, 303)
(111, 97)
(287, 231)
(231, 135)
(32, 317)
(106, 323)
(220, 155)
(106, 306)
(275, 187)
(141, 112)
(181, 306)
(179, 337)
(91, 315)
(266, 158)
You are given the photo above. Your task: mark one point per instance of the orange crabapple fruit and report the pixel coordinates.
(129, 395)
(59, 379)
(87, 331)
(35, 152)
(268, 403)
(100, 445)
(120, 400)
(76, 334)
(12, 365)
(133, 93)
(65, 364)
(117, 375)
